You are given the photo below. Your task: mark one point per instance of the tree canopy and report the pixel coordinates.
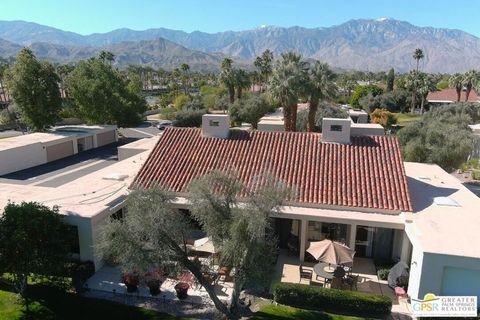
(33, 240)
(287, 84)
(442, 136)
(249, 109)
(102, 95)
(34, 88)
(324, 111)
(361, 91)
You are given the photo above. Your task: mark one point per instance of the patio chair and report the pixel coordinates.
(305, 273)
(352, 281)
(222, 274)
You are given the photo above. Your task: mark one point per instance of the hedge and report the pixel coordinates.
(325, 299)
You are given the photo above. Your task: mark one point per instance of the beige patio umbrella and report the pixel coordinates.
(331, 252)
(204, 245)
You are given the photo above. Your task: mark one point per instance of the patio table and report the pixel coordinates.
(321, 270)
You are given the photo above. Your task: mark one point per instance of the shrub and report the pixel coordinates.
(81, 271)
(383, 117)
(318, 298)
(189, 118)
(362, 91)
(181, 100)
(249, 109)
(167, 113)
(383, 273)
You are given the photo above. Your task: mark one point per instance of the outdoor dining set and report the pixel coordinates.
(334, 267)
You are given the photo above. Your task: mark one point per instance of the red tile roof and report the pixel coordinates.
(451, 95)
(368, 173)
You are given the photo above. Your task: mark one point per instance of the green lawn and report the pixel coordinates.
(52, 304)
(281, 312)
(404, 118)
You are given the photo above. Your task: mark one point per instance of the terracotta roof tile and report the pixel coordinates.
(450, 94)
(368, 173)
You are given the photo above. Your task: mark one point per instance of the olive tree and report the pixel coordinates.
(234, 215)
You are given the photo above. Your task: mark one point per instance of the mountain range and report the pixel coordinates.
(363, 44)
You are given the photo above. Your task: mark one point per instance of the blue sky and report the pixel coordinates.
(88, 16)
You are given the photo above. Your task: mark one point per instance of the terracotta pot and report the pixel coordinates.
(154, 286)
(131, 281)
(182, 290)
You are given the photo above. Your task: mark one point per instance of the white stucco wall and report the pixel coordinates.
(23, 157)
(416, 271)
(443, 275)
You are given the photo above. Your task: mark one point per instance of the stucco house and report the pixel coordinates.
(357, 186)
(351, 185)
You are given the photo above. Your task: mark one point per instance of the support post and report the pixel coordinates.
(352, 236)
(405, 251)
(303, 239)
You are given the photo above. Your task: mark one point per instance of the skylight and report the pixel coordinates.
(445, 201)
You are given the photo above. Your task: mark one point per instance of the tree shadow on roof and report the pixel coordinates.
(238, 134)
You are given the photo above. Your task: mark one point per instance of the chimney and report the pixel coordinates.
(216, 125)
(336, 130)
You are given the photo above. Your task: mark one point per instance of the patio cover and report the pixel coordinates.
(331, 252)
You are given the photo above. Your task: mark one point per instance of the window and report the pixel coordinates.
(117, 215)
(336, 127)
(214, 123)
(74, 241)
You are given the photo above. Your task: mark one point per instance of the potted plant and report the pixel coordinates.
(185, 281)
(153, 280)
(131, 280)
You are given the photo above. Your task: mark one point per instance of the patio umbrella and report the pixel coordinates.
(204, 245)
(331, 252)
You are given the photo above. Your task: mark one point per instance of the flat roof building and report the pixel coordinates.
(30, 150)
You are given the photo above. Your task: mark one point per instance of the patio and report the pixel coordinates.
(287, 269)
(108, 280)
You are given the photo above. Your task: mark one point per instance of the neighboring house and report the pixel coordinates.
(274, 121)
(356, 189)
(450, 96)
(476, 142)
(26, 151)
(87, 194)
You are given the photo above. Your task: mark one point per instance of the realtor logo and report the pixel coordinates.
(445, 306)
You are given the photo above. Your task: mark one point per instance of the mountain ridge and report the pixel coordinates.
(363, 44)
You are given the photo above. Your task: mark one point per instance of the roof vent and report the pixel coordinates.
(445, 201)
(115, 177)
(216, 125)
(336, 130)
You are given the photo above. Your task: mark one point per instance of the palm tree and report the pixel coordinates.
(321, 86)
(456, 81)
(287, 85)
(242, 81)
(227, 77)
(470, 79)
(426, 85)
(418, 55)
(412, 82)
(264, 65)
(107, 56)
(185, 78)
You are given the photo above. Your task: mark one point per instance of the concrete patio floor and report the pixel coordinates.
(108, 279)
(287, 270)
